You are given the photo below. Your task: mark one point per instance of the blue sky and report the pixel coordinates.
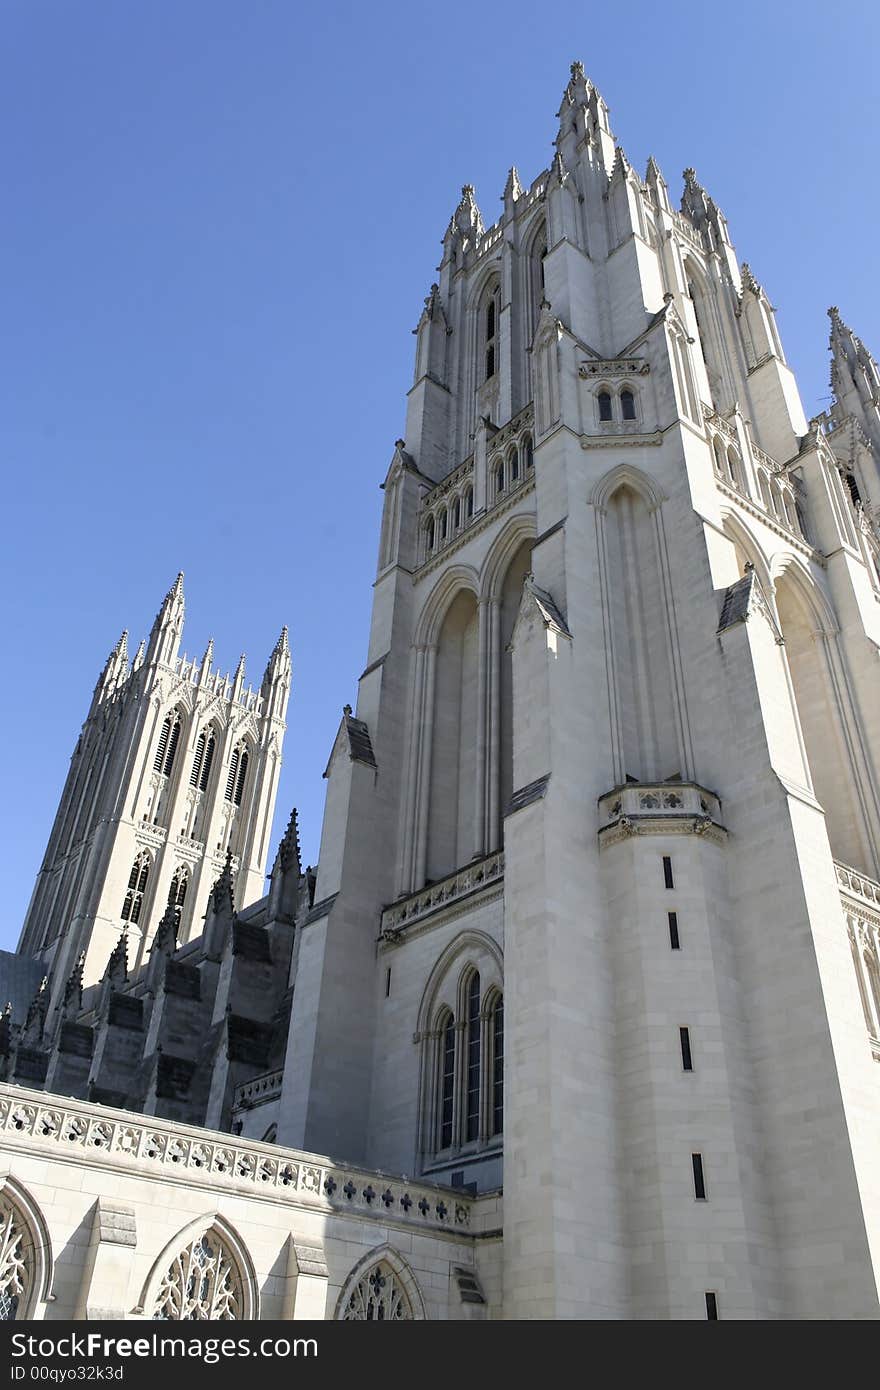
(220, 223)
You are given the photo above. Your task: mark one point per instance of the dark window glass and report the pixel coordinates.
(447, 1083)
(242, 774)
(163, 744)
(172, 748)
(499, 478)
(490, 361)
(469, 505)
(673, 931)
(514, 464)
(711, 1306)
(627, 405)
(699, 1178)
(686, 1059)
(530, 455)
(233, 773)
(206, 765)
(197, 761)
(472, 1086)
(605, 406)
(667, 872)
(498, 1068)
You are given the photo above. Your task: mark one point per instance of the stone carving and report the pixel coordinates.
(202, 1285)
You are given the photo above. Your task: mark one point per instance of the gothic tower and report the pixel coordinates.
(176, 764)
(613, 772)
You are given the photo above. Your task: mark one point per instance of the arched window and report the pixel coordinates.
(179, 885)
(499, 479)
(469, 503)
(137, 883)
(429, 536)
(168, 740)
(203, 1284)
(491, 335)
(202, 759)
(378, 1296)
(718, 451)
(447, 1082)
(444, 524)
(237, 774)
(627, 405)
(528, 450)
(513, 460)
(456, 514)
(733, 467)
(605, 410)
(496, 1079)
(472, 1061)
(15, 1271)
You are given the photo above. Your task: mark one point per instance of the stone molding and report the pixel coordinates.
(660, 808)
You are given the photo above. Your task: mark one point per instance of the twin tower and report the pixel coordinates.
(175, 769)
(597, 908)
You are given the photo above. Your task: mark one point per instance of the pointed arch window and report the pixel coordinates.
(513, 460)
(469, 503)
(529, 452)
(202, 759)
(16, 1274)
(242, 777)
(429, 535)
(231, 779)
(491, 321)
(605, 409)
(499, 479)
(167, 747)
(177, 891)
(378, 1296)
(627, 405)
(456, 514)
(203, 1284)
(137, 883)
(467, 1109)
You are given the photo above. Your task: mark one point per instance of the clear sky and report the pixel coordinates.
(221, 218)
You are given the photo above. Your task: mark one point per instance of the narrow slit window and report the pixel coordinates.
(242, 777)
(447, 1082)
(667, 872)
(711, 1306)
(699, 1177)
(498, 1068)
(674, 941)
(206, 764)
(388, 982)
(687, 1060)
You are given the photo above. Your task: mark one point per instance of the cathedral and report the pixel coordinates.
(578, 1014)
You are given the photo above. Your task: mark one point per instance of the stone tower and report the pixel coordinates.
(176, 765)
(594, 833)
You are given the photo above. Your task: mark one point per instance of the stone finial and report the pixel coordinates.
(222, 891)
(35, 1021)
(513, 189)
(165, 940)
(117, 965)
(288, 850)
(71, 1002)
(468, 218)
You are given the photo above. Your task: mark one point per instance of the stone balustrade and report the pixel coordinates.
(659, 808)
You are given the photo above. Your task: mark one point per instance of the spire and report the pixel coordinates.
(275, 686)
(284, 885)
(703, 211)
(115, 668)
(207, 661)
(855, 375)
(238, 678)
(220, 917)
(139, 655)
(583, 120)
(513, 189)
(168, 625)
(657, 184)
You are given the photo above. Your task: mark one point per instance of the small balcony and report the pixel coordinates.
(659, 808)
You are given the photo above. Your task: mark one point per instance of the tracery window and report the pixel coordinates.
(167, 747)
(468, 1055)
(134, 894)
(15, 1271)
(177, 891)
(378, 1296)
(203, 1284)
